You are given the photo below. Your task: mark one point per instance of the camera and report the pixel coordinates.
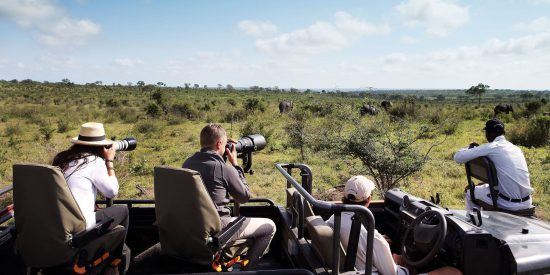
(249, 143)
(245, 146)
(126, 144)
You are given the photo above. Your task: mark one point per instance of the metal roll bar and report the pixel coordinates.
(337, 209)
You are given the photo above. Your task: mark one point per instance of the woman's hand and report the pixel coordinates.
(109, 153)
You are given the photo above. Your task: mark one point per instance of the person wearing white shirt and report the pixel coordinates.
(88, 168)
(358, 190)
(513, 176)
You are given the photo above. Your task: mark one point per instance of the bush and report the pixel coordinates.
(403, 110)
(534, 132)
(152, 110)
(146, 126)
(62, 126)
(184, 110)
(318, 109)
(46, 131)
(532, 108)
(253, 104)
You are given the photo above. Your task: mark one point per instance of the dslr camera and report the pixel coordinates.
(245, 146)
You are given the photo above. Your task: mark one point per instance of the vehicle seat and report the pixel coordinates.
(483, 169)
(321, 239)
(187, 219)
(51, 229)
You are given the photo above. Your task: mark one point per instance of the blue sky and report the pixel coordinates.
(303, 44)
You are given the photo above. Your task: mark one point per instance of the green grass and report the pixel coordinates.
(171, 137)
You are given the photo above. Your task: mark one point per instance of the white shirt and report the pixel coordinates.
(510, 164)
(85, 182)
(382, 260)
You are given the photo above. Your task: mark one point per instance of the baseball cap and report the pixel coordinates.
(358, 188)
(494, 125)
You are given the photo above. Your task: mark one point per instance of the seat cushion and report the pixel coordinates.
(528, 212)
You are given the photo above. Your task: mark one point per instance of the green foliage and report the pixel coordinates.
(184, 110)
(532, 107)
(254, 104)
(387, 153)
(153, 110)
(62, 126)
(146, 127)
(297, 131)
(46, 131)
(478, 91)
(533, 132)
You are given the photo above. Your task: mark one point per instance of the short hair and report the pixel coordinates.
(210, 134)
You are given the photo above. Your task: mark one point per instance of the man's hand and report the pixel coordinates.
(232, 155)
(473, 144)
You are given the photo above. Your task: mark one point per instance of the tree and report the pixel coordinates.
(161, 84)
(187, 85)
(196, 86)
(66, 82)
(205, 87)
(478, 91)
(140, 83)
(297, 132)
(229, 87)
(387, 152)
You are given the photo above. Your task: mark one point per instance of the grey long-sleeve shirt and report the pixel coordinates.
(220, 179)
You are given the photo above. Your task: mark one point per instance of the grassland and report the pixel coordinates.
(37, 121)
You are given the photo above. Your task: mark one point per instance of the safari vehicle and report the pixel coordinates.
(168, 236)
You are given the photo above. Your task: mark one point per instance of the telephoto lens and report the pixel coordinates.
(127, 144)
(250, 143)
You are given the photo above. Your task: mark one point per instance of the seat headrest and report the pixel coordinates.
(321, 238)
(186, 215)
(46, 215)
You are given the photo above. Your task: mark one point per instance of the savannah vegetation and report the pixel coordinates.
(409, 146)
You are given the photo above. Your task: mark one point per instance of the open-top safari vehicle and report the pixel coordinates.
(179, 231)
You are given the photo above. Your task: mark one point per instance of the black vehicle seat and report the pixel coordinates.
(308, 210)
(483, 169)
(187, 219)
(321, 239)
(51, 229)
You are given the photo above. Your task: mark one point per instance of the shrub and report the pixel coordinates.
(62, 126)
(532, 108)
(184, 110)
(318, 109)
(146, 126)
(111, 102)
(253, 104)
(534, 132)
(13, 130)
(403, 110)
(46, 131)
(152, 110)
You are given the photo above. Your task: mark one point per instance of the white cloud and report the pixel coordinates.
(407, 40)
(321, 36)
(127, 62)
(540, 24)
(438, 17)
(394, 58)
(257, 28)
(48, 21)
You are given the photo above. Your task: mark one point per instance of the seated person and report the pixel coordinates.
(512, 173)
(222, 180)
(88, 168)
(358, 191)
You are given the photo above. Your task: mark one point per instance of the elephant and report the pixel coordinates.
(386, 104)
(368, 109)
(285, 106)
(503, 108)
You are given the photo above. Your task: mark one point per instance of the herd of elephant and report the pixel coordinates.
(371, 109)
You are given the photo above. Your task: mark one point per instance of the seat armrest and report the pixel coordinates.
(219, 240)
(100, 228)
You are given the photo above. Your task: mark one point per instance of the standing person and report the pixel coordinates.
(513, 176)
(223, 180)
(88, 167)
(358, 190)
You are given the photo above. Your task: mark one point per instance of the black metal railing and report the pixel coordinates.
(305, 190)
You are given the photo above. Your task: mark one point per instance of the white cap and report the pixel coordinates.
(360, 187)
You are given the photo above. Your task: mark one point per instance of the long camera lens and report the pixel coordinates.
(249, 143)
(127, 144)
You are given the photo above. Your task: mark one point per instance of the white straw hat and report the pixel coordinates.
(360, 187)
(92, 134)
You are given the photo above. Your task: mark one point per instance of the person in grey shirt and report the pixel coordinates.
(223, 181)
